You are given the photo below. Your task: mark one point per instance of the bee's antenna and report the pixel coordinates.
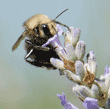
(60, 14)
(54, 20)
(59, 22)
(54, 29)
(62, 24)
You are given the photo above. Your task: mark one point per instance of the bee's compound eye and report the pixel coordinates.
(45, 28)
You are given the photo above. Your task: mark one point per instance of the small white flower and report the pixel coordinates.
(80, 50)
(106, 77)
(72, 36)
(79, 69)
(57, 63)
(70, 52)
(106, 73)
(91, 64)
(73, 77)
(103, 93)
(82, 92)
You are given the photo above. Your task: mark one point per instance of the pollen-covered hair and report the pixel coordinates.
(38, 20)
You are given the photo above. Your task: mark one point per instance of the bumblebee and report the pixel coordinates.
(39, 28)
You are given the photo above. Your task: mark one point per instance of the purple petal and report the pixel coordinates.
(77, 32)
(59, 29)
(106, 70)
(65, 103)
(70, 106)
(55, 39)
(90, 103)
(52, 41)
(62, 98)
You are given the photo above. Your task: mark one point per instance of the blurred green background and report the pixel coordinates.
(23, 86)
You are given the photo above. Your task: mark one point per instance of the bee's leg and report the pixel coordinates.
(37, 47)
(30, 52)
(42, 48)
(29, 61)
(29, 42)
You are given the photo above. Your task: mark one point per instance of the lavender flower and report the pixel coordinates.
(70, 53)
(72, 63)
(96, 92)
(99, 90)
(93, 92)
(84, 72)
(89, 103)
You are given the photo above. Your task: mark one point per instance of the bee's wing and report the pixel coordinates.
(19, 40)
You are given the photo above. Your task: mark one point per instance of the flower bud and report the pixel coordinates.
(79, 69)
(80, 50)
(73, 36)
(57, 63)
(70, 52)
(82, 91)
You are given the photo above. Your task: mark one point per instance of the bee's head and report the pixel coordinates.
(39, 26)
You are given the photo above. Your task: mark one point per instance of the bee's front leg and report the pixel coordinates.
(29, 61)
(37, 47)
(28, 55)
